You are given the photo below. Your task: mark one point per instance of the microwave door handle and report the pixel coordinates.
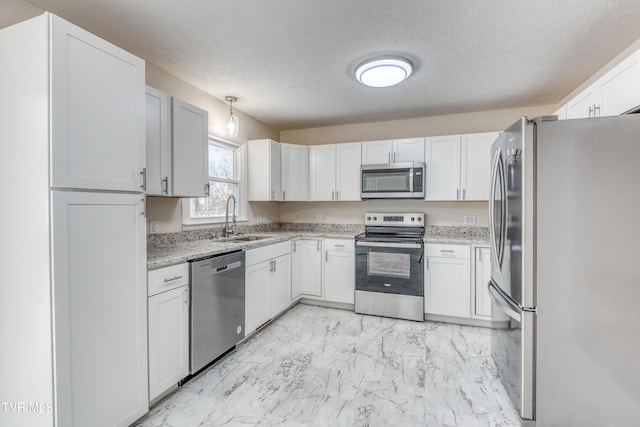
(502, 300)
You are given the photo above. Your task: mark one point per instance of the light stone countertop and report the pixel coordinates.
(458, 240)
(158, 257)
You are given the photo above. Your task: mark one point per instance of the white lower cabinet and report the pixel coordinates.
(267, 284)
(306, 268)
(168, 311)
(447, 280)
(456, 283)
(339, 270)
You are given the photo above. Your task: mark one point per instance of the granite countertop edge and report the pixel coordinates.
(188, 251)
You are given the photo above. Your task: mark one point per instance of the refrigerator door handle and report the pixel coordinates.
(503, 301)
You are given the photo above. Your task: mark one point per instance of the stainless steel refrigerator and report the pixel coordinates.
(565, 245)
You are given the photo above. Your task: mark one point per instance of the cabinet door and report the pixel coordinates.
(621, 87)
(189, 155)
(157, 143)
(443, 167)
(100, 306)
(348, 159)
(168, 339)
(408, 150)
(447, 287)
(582, 106)
(256, 304)
(275, 176)
(280, 285)
(97, 112)
(376, 152)
(295, 172)
(483, 274)
(306, 268)
(322, 166)
(339, 282)
(475, 165)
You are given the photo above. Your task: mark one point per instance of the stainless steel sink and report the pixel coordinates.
(241, 239)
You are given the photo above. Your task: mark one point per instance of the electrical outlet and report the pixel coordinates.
(153, 227)
(319, 218)
(469, 220)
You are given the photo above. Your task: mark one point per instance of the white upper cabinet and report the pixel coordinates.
(475, 163)
(189, 128)
(348, 160)
(458, 166)
(443, 167)
(585, 104)
(264, 171)
(158, 149)
(176, 145)
(393, 151)
(621, 87)
(322, 167)
(295, 172)
(617, 92)
(97, 112)
(335, 171)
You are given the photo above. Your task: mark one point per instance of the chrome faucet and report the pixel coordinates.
(228, 230)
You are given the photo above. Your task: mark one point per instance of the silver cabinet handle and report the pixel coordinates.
(165, 185)
(458, 194)
(294, 246)
(447, 251)
(590, 111)
(389, 156)
(273, 194)
(337, 194)
(596, 108)
(172, 279)
(207, 189)
(394, 157)
(275, 265)
(333, 193)
(143, 172)
(142, 209)
(283, 192)
(317, 245)
(464, 194)
(326, 257)
(339, 246)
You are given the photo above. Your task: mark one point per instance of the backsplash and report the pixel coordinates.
(170, 239)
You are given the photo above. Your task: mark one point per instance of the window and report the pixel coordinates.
(224, 180)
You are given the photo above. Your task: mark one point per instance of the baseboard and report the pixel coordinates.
(467, 321)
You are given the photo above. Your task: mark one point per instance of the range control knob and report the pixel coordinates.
(375, 218)
(368, 218)
(412, 219)
(419, 219)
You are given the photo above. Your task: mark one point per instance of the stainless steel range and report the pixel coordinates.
(389, 266)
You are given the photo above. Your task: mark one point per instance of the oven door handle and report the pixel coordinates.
(389, 245)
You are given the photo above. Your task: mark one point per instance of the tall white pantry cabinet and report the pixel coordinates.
(73, 254)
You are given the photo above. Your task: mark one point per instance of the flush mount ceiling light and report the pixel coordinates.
(233, 124)
(383, 71)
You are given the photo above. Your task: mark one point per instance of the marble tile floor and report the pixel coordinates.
(318, 366)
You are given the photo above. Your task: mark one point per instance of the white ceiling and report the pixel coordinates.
(290, 62)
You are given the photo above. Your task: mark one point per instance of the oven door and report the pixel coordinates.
(390, 267)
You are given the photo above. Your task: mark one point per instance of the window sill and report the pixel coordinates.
(208, 223)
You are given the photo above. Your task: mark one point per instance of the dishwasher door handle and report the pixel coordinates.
(212, 269)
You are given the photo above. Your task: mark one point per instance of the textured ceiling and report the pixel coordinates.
(290, 62)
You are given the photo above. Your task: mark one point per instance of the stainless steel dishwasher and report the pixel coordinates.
(217, 307)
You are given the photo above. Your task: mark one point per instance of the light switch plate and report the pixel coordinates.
(319, 218)
(153, 227)
(469, 220)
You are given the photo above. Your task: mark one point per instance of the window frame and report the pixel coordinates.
(240, 177)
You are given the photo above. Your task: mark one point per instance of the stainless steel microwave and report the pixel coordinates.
(393, 181)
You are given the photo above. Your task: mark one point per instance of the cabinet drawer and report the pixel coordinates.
(164, 279)
(254, 256)
(448, 251)
(341, 245)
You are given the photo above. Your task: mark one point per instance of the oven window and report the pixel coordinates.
(389, 265)
(386, 181)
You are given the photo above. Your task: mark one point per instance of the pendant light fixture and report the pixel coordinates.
(233, 124)
(383, 71)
